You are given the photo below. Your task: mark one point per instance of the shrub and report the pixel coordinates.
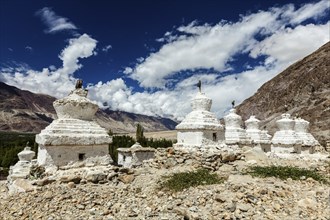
(179, 181)
(119, 142)
(285, 172)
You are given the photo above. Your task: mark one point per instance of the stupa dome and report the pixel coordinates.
(285, 123)
(200, 118)
(75, 106)
(233, 120)
(252, 123)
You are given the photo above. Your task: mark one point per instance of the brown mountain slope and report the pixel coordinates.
(303, 90)
(25, 111)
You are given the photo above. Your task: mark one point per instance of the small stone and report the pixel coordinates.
(48, 195)
(95, 176)
(244, 207)
(307, 203)
(70, 178)
(112, 175)
(80, 207)
(252, 199)
(44, 181)
(232, 207)
(71, 185)
(220, 198)
(228, 157)
(277, 206)
(126, 178)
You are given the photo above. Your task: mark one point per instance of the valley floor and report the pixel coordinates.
(136, 194)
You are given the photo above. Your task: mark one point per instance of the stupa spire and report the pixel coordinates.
(199, 85)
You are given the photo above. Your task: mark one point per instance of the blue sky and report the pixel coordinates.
(146, 56)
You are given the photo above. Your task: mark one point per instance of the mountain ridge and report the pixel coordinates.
(24, 111)
(302, 90)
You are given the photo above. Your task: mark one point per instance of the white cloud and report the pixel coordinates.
(195, 46)
(54, 22)
(52, 81)
(81, 47)
(128, 70)
(213, 47)
(208, 47)
(106, 48)
(28, 48)
(289, 45)
(311, 10)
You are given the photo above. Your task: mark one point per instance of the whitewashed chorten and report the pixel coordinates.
(135, 155)
(200, 127)
(301, 130)
(234, 133)
(257, 136)
(74, 136)
(285, 136)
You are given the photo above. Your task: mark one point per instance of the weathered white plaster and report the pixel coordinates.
(234, 133)
(73, 136)
(286, 136)
(135, 155)
(76, 105)
(63, 155)
(200, 127)
(21, 170)
(301, 129)
(258, 137)
(26, 155)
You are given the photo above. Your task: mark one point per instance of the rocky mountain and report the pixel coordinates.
(25, 111)
(303, 90)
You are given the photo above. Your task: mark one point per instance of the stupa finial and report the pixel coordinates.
(199, 85)
(79, 84)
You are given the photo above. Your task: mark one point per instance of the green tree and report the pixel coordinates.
(119, 142)
(140, 136)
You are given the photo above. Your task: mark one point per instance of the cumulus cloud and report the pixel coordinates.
(208, 47)
(106, 48)
(196, 46)
(54, 22)
(28, 48)
(308, 11)
(269, 41)
(56, 82)
(264, 35)
(289, 45)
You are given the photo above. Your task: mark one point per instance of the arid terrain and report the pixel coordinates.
(121, 193)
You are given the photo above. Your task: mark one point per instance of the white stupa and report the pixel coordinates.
(286, 136)
(301, 130)
(73, 136)
(135, 155)
(257, 136)
(234, 133)
(200, 128)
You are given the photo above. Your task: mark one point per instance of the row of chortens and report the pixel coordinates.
(201, 129)
(75, 140)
